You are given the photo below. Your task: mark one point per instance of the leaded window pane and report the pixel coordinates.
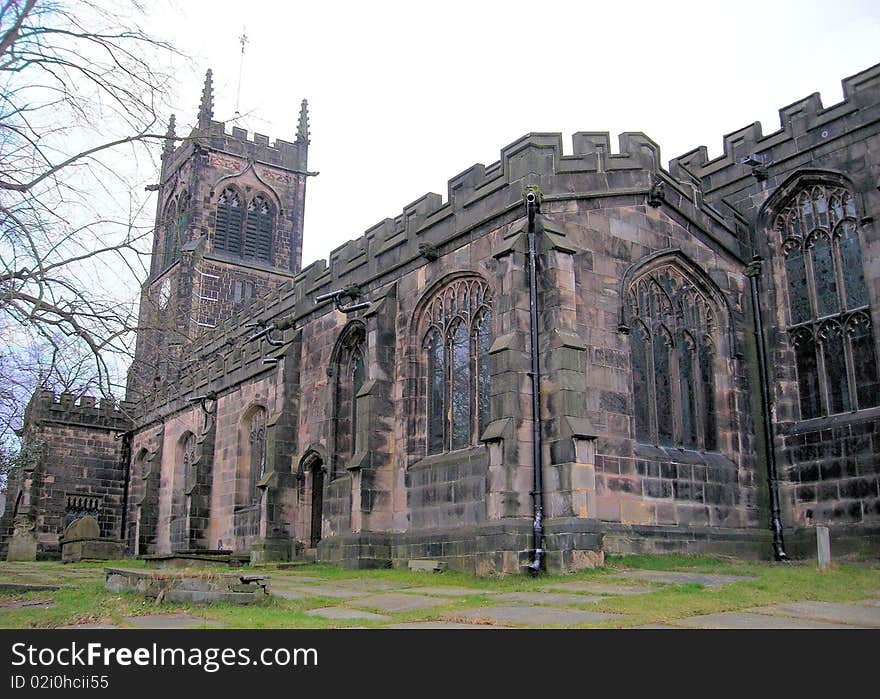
(851, 263)
(663, 389)
(461, 396)
(641, 401)
(707, 380)
(436, 391)
(798, 295)
(484, 342)
(687, 392)
(359, 373)
(837, 381)
(823, 273)
(808, 374)
(864, 361)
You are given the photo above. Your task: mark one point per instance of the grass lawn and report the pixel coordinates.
(83, 598)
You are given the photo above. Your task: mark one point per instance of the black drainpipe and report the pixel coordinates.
(532, 207)
(753, 271)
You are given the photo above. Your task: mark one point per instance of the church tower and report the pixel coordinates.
(229, 227)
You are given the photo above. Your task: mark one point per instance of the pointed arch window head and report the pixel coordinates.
(456, 332)
(673, 360)
(828, 308)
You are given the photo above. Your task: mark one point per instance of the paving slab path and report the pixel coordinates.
(346, 613)
(448, 591)
(398, 602)
(603, 588)
(441, 625)
(662, 576)
(751, 620)
(324, 591)
(527, 615)
(858, 614)
(551, 598)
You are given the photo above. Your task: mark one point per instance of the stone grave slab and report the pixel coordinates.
(552, 598)
(750, 620)
(26, 587)
(398, 602)
(863, 615)
(676, 578)
(655, 626)
(28, 604)
(295, 579)
(288, 594)
(90, 627)
(168, 621)
(346, 613)
(526, 615)
(602, 588)
(448, 591)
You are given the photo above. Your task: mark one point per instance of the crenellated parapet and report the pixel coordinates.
(83, 411)
(805, 125)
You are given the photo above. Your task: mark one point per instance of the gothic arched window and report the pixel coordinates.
(829, 317)
(230, 217)
(252, 456)
(258, 230)
(350, 372)
(672, 354)
(456, 336)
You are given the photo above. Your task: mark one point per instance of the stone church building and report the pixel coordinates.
(704, 338)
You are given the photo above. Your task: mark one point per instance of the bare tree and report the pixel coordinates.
(81, 93)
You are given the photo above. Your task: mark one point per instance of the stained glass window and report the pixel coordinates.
(830, 327)
(457, 335)
(672, 360)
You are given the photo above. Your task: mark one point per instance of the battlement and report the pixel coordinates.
(108, 413)
(237, 141)
(805, 124)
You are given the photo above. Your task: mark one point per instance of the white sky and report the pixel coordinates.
(403, 96)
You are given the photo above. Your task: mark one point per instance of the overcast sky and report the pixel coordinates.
(403, 96)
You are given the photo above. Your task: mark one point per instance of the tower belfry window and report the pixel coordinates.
(230, 216)
(244, 232)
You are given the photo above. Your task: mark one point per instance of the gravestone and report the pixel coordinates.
(23, 544)
(82, 541)
(823, 544)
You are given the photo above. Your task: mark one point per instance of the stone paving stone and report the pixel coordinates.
(168, 621)
(366, 585)
(346, 613)
(448, 591)
(90, 627)
(863, 615)
(398, 602)
(533, 615)
(662, 576)
(656, 626)
(294, 579)
(749, 620)
(326, 591)
(871, 602)
(288, 594)
(548, 598)
(441, 625)
(603, 588)
(26, 587)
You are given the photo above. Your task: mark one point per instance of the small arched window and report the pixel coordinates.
(350, 371)
(230, 217)
(829, 317)
(252, 456)
(672, 355)
(456, 337)
(258, 230)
